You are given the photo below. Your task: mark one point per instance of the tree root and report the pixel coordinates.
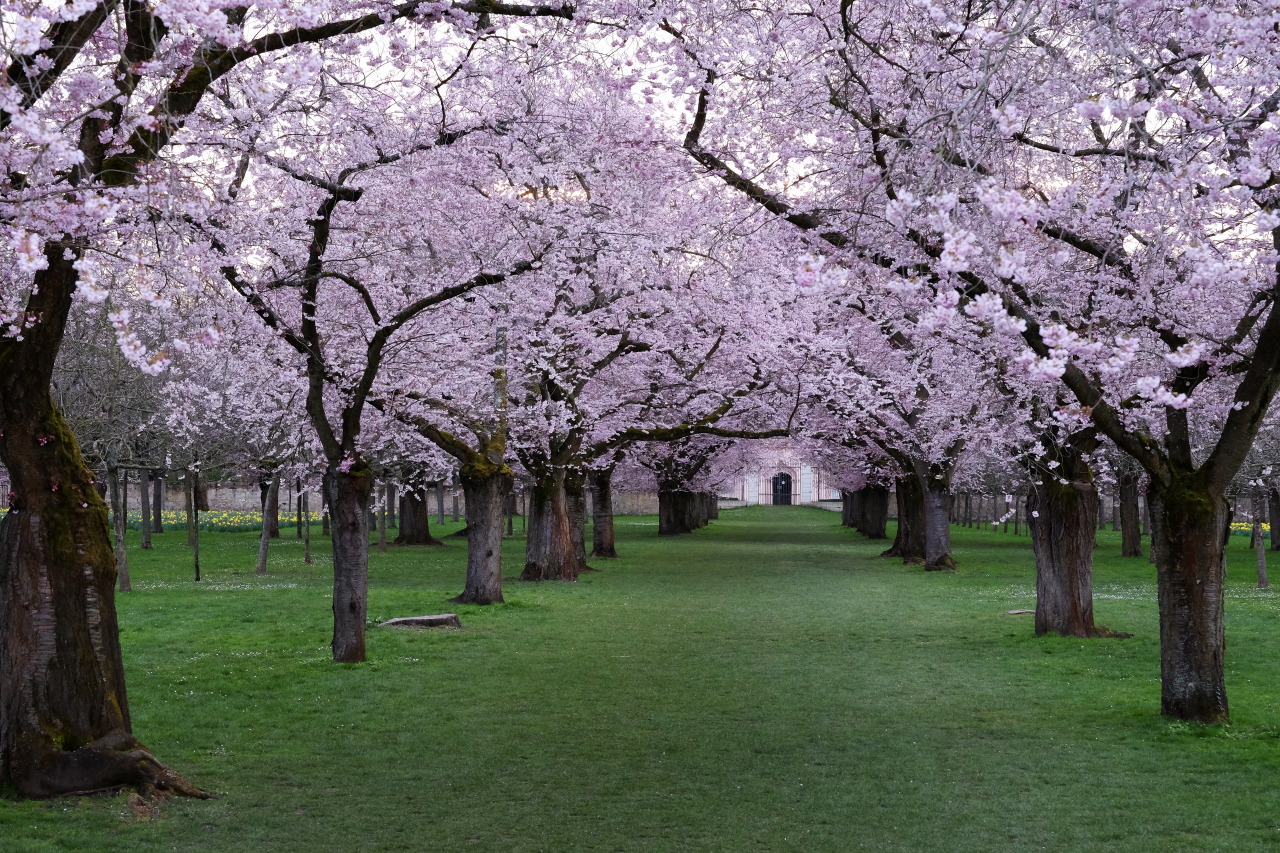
(114, 761)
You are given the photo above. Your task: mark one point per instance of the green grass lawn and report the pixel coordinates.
(766, 684)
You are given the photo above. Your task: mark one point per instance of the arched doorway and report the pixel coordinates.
(782, 489)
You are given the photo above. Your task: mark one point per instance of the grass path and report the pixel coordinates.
(767, 684)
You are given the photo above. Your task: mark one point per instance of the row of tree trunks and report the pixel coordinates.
(681, 511)
(866, 510)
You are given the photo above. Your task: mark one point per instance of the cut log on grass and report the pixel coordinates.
(440, 620)
(1017, 612)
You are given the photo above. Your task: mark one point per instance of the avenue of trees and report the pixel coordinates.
(364, 246)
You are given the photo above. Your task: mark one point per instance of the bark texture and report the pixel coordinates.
(575, 492)
(1273, 513)
(415, 520)
(1062, 520)
(872, 518)
(485, 487)
(1189, 528)
(549, 549)
(269, 489)
(144, 490)
(602, 538)
(157, 501)
(347, 493)
(908, 543)
(64, 713)
(1130, 518)
(937, 529)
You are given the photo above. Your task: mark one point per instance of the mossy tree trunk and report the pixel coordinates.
(64, 714)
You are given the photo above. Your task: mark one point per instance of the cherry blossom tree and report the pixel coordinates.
(1078, 179)
(97, 92)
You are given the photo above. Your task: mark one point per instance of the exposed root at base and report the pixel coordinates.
(113, 762)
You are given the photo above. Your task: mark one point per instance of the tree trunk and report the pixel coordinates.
(119, 523)
(297, 506)
(64, 713)
(439, 501)
(1130, 519)
(189, 492)
(575, 493)
(549, 550)
(381, 519)
(157, 501)
(144, 491)
(1274, 515)
(347, 494)
(1189, 527)
(602, 539)
(193, 519)
(937, 528)
(270, 501)
(415, 520)
(674, 517)
(873, 517)
(1062, 519)
(269, 489)
(485, 487)
(908, 543)
(306, 528)
(1259, 544)
(846, 507)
